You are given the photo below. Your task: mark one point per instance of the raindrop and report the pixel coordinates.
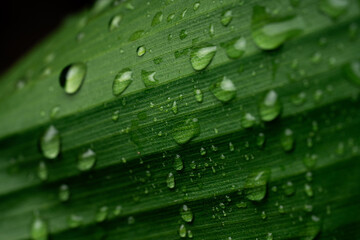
(256, 185)
(201, 57)
(42, 171)
(288, 188)
(310, 161)
(75, 221)
(287, 140)
(64, 193)
(183, 34)
(157, 19)
(86, 160)
(148, 78)
(334, 8)
(186, 214)
(226, 17)
(50, 143)
(182, 231)
(178, 163)
(39, 229)
(198, 95)
(235, 48)
(352, 72)
(224, 90)
(247, 120)
(186, 131)
(102, 214)
(136, 35)
(115, 22)
(72, 77)
(122, 80)
(308, 190)
(170, 180)
(270, 106)
(141, 51)
(196, 6)
(211, 30)
(174, 107)
(260, 140)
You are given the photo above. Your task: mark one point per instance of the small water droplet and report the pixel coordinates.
(333, 8)
(270, 32)
(198, 95)
(308, 190)
(115, 116)
(186, 131)
(288, 188)
(352, 72)
(64, 193)
(115, 22)
(235, 48)
(211, 30)
(186, 214)
(174, 107)
(122, 81)
(170, 180)
(148, 78)
(270, 106)
(178, 163)
(39, 229)
(226, 17)
(247, 120)
(50, 143)
(72, 77)
(202, 151)
(102, 214)
(86, 160)
(42, 171)
(201, 57)
(75, 221)
(141, 51)
(183, 34)
(136, 35)
(170, 17)
(224, 90)
(182, 231)
(260, 140)
(256, 185)
(118, 210)
(287, 140)
(196, 6)
(298, 99)
(157, 19)
(310, 161)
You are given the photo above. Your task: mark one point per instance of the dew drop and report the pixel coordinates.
(178, 163)
(122, 81)
(148, 78)
(235, 48)
(270, 106)
(288, 188)
(198, 95)
(270, 32)
(260, 140)
(42, 171)
(287, 140)
(186, 131)
(174, 107)
(211, 30)
(196, 6)
(333, 8)
(308, 190)
(141, 51)
(256, 185)
(182, 231)
(75, 221)
(64, 193)
(352, 72)
(72, 77)
(157, 19)
(186, 214)
(86, 160)
(102, 214)
(50, 143)
(201, 57)
(226, 17)
(170, 180)
(224, 90)
(39, 229)
(247, 120)
(310, 161)
(115, 22)
(183, 34)
(136, 35)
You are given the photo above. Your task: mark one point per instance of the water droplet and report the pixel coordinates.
(75, 221)
(136, 35)
(86, 160)
(141, 51)
(174, 107)
(226, 17)
(178, 163)
(288, 188)
(170, 17)
(50, 143)
(131, 220)
(334, 8)
(170, 180)
(241, 205)
(269, 236)
(122, 80)
(201, 57)
(310, 161)
(270, 106)
(148, 78)
(158, 60)
(42, 171)
(308, 190)
(196, 6)
(183, 13)
(299, 98)
(183, 34)
(263, 215)
(72, 77)
(117, 210)
(115, 116)
(247, 120)
(64, 193)
(182, 231)
(157, 19)
(256, 185)
(100, 5)
(224, 90)
(198, 95)
(270, 32)
(235, 48)
(102, 214)
(39, 229)
(186, 131)
(211, 30)
(189, 234)
(352, 72)
(115, 22)
(202, 151)
(260, 140)
(287, 140)
(186, 214)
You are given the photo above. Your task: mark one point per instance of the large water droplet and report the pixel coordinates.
(186, 131)
(86, 160)
(72, 77)
(148, 78)
(122, 80)
(170, 180)
(235, 48)
(201, 57)
(256, 185)
(270, 106)
(64, 193)
(270, 32)
(115, 22)
(39, 229)
(334, 8)
(50, 143)
(224, 90)
(352, 72)
(157, 19)
(186, 213)
(287, 140)
(226, 17)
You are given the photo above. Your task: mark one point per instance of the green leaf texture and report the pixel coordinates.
(213, 143)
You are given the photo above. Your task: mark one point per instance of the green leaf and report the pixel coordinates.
(201, 138)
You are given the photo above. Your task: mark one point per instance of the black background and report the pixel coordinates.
(25, 23)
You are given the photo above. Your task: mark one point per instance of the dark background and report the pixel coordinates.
(24, 23)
